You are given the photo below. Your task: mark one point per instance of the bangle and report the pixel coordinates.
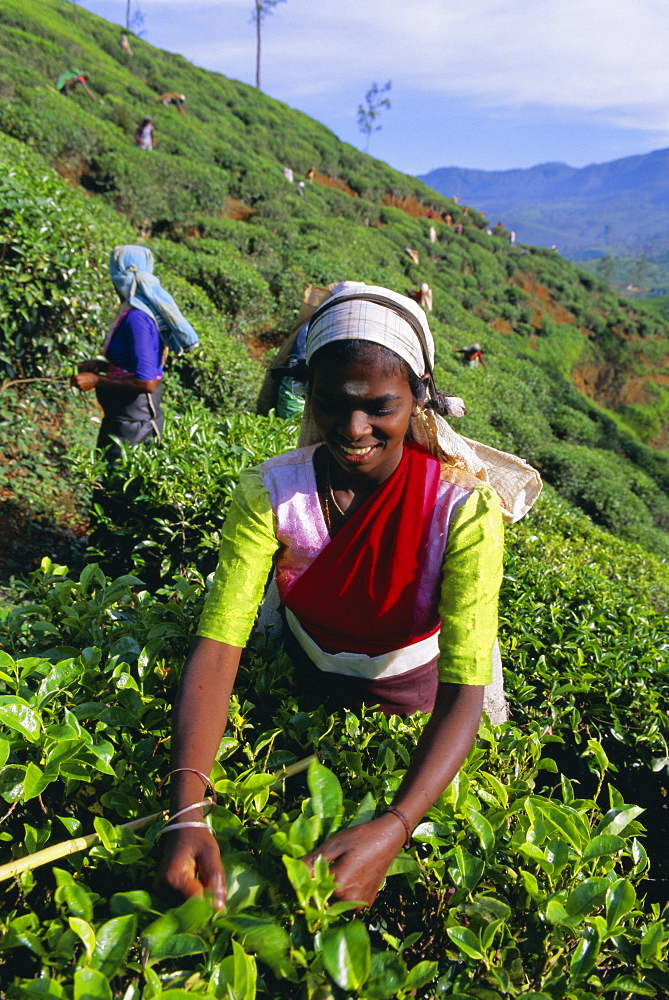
(208, 783)
(195, 805)
(405, 823)
(184, 826)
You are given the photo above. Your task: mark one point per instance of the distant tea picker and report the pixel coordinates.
(172, 97)
(128, 378)
(70, 79)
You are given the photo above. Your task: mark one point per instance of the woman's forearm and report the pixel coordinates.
(128, 383)
(200, 718)
(446, 740)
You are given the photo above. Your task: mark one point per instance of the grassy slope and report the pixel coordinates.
(220, 215)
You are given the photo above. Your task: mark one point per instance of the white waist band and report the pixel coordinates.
(397, 661)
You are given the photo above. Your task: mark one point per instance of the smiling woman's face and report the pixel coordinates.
(362, 409)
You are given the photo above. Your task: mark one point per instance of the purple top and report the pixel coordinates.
(136, 348)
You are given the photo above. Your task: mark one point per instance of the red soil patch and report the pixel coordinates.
(72, 170)
(600, 382)
(235, 209)
(410, 206)
(334, 182)
(542, 300)
(501, 325)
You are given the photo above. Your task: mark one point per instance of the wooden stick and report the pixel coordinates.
(42, 378)
(291, 769)
(66, 847)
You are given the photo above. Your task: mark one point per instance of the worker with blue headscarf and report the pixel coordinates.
(128, 382)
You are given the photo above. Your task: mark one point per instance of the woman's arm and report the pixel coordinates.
(86, 380)
(191, 862)
(361, 855)
(471, 575)
(96, 365)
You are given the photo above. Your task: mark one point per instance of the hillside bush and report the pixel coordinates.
(54, 293)
(161, 511)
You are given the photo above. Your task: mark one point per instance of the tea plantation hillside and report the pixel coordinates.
(577, 379)
(542, 871)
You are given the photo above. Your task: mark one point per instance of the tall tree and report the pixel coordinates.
(262, 8)
(376, 101)
(134, 22)
(605, 268)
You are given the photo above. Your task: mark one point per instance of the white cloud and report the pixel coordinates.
(579, 54)
(596, 61)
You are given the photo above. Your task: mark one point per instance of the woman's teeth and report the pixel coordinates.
(356, 451)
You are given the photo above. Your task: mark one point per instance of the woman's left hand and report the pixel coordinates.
(360, 857)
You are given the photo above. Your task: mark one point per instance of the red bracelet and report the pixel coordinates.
(405, 823)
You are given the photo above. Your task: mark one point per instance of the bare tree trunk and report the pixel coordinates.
(127, 15)
(258, 18)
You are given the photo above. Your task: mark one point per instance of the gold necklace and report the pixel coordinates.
(330, 496)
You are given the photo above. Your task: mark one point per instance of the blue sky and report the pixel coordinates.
(486, 84)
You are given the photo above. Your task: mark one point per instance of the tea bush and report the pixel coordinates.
(511, 885)
(53, 292)
(161, 511)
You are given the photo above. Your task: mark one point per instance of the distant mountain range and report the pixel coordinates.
(619, 208)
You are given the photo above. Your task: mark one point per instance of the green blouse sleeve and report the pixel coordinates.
(244, 563)
(471, 578)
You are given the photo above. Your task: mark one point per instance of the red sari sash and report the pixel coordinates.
(359, 593)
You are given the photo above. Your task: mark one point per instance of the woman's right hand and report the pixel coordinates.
(85, 380)
(191, 865)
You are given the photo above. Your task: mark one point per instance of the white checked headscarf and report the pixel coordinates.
(356, 311)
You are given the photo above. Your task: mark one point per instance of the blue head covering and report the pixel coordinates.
(131, 271)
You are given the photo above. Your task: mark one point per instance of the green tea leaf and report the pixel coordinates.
(347, 954)
(78, 900)
(177, 946)
(421, 974)
(617, 820)
(89, 984)
(262, 936)
(387, 975)
(326, 794)
(16, 714)
(85, 933)
(620, 899)
(464, 868)
(112, 942)
(603, 845)
(35, 782)
(586, 897)
(586, 954)
(651, 942)
(466, 941)
(628, 984)
(481, 827)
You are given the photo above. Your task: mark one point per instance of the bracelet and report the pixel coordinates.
(184, 826)
(208, 783)
(405, 823)
(195, 805)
